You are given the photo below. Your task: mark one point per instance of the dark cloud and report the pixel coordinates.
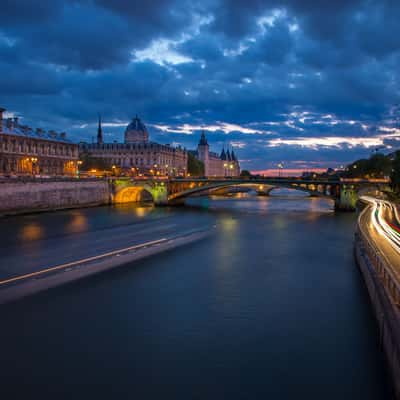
(301, 71)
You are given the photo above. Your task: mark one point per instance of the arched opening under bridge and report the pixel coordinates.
(133, 194)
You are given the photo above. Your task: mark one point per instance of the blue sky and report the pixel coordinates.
(309, 82)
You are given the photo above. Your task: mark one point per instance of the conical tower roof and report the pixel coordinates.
(203, 139)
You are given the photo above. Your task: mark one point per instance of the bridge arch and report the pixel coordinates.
(128, 191)
(132, 194)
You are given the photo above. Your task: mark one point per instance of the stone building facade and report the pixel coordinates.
(137, 155)
(225, 164)
(24, 151)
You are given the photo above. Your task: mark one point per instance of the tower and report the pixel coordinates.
(202, 152)
(99, 132)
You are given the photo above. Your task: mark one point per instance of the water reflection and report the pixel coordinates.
(291, 202)
(78, 223)
(140, 210)
(32, 231)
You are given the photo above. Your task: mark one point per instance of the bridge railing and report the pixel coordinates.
(379, 262)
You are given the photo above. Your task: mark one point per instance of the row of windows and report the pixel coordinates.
(122, 146)
(37, 148)
(148, 162)
(135, 153)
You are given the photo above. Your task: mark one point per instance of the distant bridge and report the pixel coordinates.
(345, 193)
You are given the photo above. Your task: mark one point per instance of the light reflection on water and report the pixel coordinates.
(78, 223)
(31, 231)
(286, 201)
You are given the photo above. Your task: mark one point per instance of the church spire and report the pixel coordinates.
(99, 132)
(203, 140)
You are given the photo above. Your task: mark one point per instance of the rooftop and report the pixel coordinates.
(11, 127)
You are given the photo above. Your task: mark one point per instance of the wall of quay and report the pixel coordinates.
(386, 312)
(21, 197)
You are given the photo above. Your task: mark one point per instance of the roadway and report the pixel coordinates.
(381, 224)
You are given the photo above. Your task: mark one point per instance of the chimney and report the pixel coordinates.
(9, 124)
(1, 117)
(63, 135)
(39, 131)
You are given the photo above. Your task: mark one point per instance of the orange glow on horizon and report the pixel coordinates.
(287, 171)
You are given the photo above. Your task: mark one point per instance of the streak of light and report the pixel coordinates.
(385, 229)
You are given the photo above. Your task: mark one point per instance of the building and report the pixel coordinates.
(137, 155)
(24, 151)
(225, 164)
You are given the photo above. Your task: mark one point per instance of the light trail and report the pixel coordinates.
(385, 229)
(82, 261)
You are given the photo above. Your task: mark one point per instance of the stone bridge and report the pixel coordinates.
(173, 191)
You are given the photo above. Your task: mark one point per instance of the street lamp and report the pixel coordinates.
(280, 166)
(33, 161)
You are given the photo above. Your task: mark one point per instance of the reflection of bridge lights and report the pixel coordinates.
(142, 211)
(229, 224)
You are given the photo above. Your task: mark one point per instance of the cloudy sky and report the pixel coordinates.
(312, 83)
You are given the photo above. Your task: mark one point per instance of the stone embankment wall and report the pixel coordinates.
(386, 310)
(21, 197)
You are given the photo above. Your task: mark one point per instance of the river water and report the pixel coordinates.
(271, 305)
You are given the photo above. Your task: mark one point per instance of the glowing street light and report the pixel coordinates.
(280, 166)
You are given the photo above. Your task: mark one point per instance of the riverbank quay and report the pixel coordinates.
(24, 195)
(17, 287)
(381, 276)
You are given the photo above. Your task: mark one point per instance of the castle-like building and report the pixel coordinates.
(137, 154)
(24, 151)
(225, 164)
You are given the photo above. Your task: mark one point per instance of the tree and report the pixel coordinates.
(89, 162)
(195, 167)
(245, 173)
(377, 166)
(395, 173)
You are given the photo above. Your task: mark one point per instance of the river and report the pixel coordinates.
(271, 305)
